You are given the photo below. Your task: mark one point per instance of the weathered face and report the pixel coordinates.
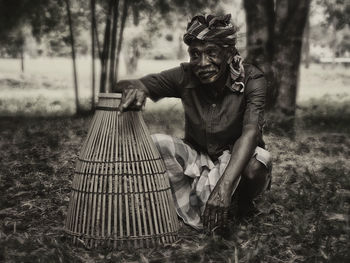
(208, 61)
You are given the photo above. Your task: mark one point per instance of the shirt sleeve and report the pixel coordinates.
(255, 93)
(167, 83)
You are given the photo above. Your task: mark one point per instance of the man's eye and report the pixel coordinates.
(211, 52)
(194, 54)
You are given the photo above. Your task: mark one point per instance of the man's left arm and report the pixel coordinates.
(219, 201)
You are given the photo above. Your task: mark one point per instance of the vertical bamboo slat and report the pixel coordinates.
(120, 195)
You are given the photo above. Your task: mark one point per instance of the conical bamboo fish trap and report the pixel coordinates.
(120, 195)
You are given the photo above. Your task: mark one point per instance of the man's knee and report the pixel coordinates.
(163, 142)
(255, 171)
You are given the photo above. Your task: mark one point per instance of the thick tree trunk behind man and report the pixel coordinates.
(274, 40)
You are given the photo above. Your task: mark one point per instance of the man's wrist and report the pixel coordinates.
(227, 182)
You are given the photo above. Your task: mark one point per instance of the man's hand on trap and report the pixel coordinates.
(134, 94)
(216, 211)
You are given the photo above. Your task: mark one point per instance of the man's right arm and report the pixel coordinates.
(168, 83)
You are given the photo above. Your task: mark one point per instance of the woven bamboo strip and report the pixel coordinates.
(115, 201)
(153, 171)
(156, 213)
(95, 210)
(107, 182)
(161, 167)
(147, 199)
(101, 197)
(104, 178)
(141, 196)
(146, 207)
(130, 163)
(77, 199)
(135, 170)
(110, 180)
(92, 155)
(121, 227)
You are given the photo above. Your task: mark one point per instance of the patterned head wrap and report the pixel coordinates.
(220, 31)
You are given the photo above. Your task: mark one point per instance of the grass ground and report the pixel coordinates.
(303, 218)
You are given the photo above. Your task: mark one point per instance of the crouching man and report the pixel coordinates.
(222, 155)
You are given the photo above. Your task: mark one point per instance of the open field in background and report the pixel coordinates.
(46, 86)
(304, 218)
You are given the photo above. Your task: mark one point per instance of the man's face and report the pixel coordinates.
(208, 61)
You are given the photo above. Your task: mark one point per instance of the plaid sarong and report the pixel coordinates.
(193, 175)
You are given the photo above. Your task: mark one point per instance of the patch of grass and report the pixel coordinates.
(326, 113)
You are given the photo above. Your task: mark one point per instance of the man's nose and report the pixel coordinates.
(204, 61)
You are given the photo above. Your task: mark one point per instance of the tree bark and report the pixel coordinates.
(97, 42)
(93, 23)
(77, 105)
(260, 19)
(115, 12)
(121, 36)
(274, 41)
(22, 57)
(306, 43)
(106, 49)
(288, 43)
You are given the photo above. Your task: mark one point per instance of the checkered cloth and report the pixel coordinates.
(217, 29)
(193, 175)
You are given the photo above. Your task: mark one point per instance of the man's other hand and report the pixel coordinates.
(215, 215)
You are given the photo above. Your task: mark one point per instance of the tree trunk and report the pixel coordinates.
(260, 19)
(120, 40)
(274, 41)
(115, 12)
(97, 42)
(106, 49)
(93, 23)
(288, 43)
(22, 57)
(73, 57)
(306, 44)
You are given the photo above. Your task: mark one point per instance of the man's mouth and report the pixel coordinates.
(206, 74)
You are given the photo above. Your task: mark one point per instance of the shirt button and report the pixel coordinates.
(213, 105)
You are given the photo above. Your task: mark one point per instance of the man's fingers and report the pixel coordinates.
(129, 96)
(205, 217)
(225, 218)
(220, 217)
(212, 219)
(140, 98)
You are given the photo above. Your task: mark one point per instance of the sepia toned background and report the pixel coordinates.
(302, 46)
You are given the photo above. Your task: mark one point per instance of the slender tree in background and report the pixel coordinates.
(22, 57)
(113, 45)
(306, 43)
(121, 33)
(106, 49)
(274, 41)
(93, 73)
(77, 105)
